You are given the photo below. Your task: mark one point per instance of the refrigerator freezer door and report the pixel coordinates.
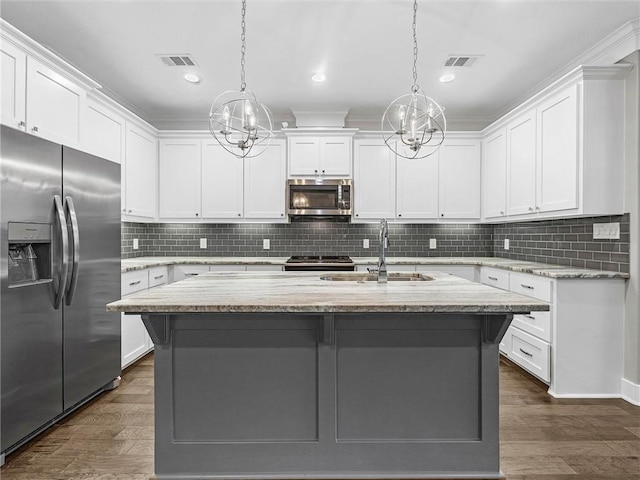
(31, 329)
(91, 334)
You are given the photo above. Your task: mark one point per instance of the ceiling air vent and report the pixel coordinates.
(177, 60)
(461, 60)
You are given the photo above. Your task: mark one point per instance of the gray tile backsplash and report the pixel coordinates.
(564, 242)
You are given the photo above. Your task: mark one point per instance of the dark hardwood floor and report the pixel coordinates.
(542, 438)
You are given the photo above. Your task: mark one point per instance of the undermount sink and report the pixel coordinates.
(373, 277)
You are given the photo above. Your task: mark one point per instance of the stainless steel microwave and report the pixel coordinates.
(319, 197)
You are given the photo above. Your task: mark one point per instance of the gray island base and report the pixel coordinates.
(307, 378)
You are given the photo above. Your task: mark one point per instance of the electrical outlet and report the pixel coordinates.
(610, 231)
(266, 244)
(203, 243)
(506, 244)
(135, 244)
(432, 243)
(365, 243)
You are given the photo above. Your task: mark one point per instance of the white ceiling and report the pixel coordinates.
(364, 47)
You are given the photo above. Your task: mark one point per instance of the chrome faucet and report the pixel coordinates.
(384, 243)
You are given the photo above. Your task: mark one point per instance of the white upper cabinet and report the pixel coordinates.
(39, 100)
(104, 132)
(459, 173)
(417, 188)
(141, 173)
(557, 152)
(374, 183)
(264, 183)
(222, 182)
(13, 68)
(521, 166)
(179, 178)
(565, 149)
(320, 156)
(55, 105)
(494, 175)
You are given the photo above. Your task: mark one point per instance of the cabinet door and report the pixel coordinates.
(374, 183)
(557, 161)
(264, 183)
(521, 167)
(141, 169)
(222, 182)
(459, 169)
(104, 135)
(335, 156)
(417, 188)
(55, 105)
(494, 175)
(179, 174)
(304, 156)
(135, 341)
(13, 68)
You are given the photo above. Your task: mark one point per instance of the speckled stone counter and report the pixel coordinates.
(308, 292)
(542, 269)
(286, 375)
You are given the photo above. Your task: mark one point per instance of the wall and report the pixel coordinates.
(322, 238)
(560, 242)
(632, 205)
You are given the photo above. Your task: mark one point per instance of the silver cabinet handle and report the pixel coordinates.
(501, 212)
(239, 214)
(530, 317)
(531, 209)
(131, 284)
(34, 129)
(158, 277)
(526, 353)
(64, 236)
(197, 214)
(75, 233)
(22, 123)
(190, 274)
(495, 279)
(529, 287)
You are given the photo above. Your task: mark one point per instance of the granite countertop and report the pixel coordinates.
(542, 269)
(307, 292)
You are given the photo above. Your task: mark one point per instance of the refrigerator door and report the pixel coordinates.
(30, 327)
(91, 189)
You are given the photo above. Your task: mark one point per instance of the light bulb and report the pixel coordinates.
(227, 116)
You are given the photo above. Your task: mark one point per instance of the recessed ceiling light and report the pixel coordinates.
(191, 77)
(447, 77)
(319, 77)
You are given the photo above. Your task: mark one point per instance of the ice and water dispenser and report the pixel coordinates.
(29, 253)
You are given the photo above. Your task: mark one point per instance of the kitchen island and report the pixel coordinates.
(288, 375)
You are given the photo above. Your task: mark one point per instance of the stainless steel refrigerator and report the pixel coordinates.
(59, 267)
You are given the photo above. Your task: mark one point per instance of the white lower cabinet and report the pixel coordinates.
(135, 341)
(468, 272)
(180, 272)
(575, 347)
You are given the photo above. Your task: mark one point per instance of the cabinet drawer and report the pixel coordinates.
(530, 353)
(494, 277)
(227, 268)
(535, 323)
(133, 282)
(531, 286)
(158, 276)
(181, 272)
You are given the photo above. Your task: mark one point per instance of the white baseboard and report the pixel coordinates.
(583, 395)
(631, 392)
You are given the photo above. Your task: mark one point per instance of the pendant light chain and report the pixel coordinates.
(243, 83)
(415, 86)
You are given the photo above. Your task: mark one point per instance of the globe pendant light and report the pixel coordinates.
(413, 125)
(237, 120)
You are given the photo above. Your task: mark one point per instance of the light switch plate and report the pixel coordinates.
(135, 244)
(365, 243)
(607, 231)
(506, 244)
(203, 243)
(432, 243)
(266, 244)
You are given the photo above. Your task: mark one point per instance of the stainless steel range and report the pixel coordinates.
(319, 263)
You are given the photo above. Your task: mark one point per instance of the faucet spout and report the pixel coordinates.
(384, 243)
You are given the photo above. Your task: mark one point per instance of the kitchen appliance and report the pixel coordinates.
(319, 263)
(319, 198)
(59, 267)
